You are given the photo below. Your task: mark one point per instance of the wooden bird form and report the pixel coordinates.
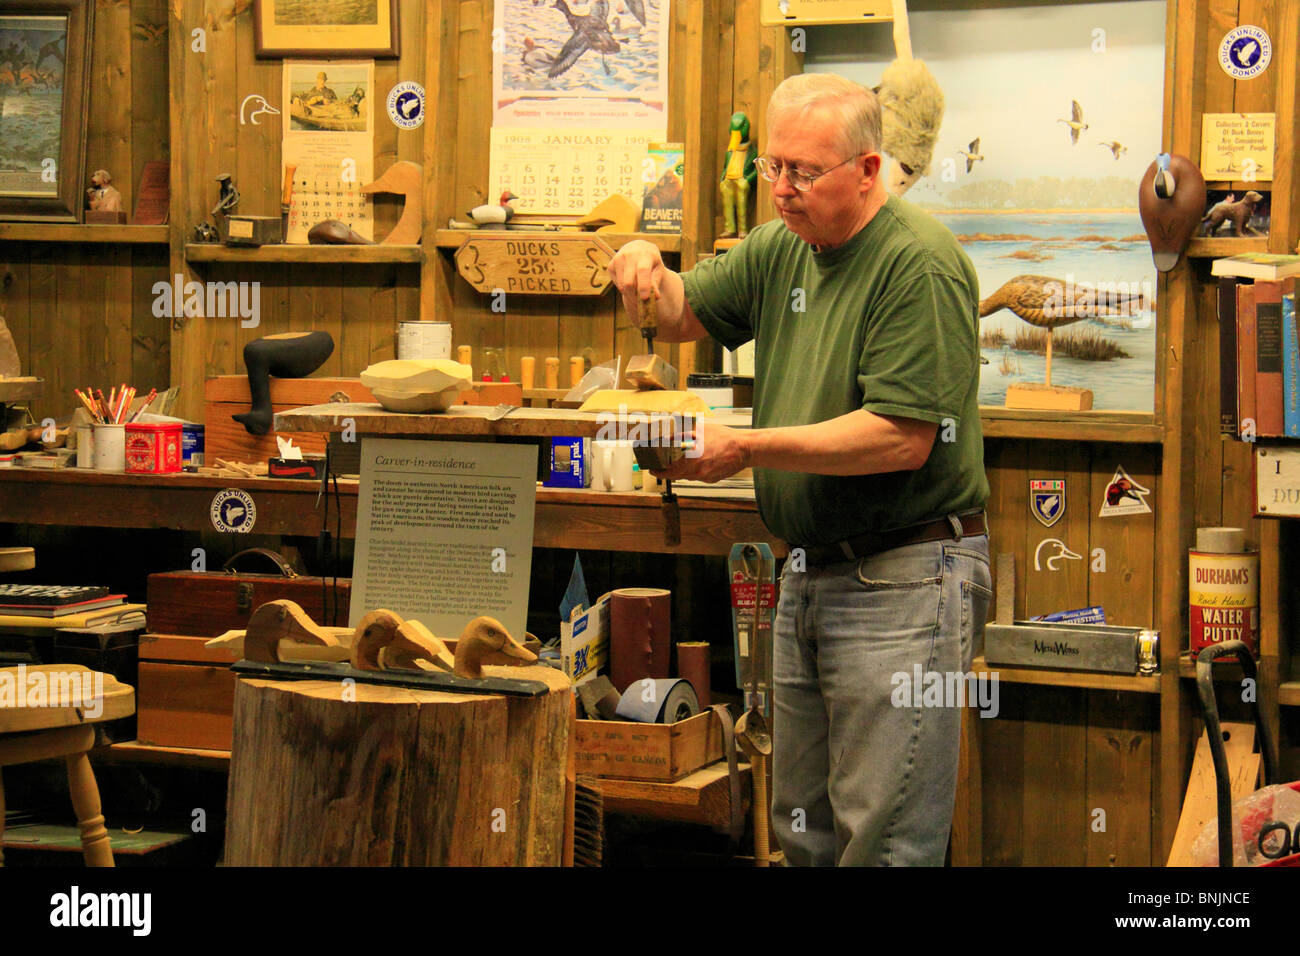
(403, 178)
(482, 637)
(276, 621)
(1075, 122)
(385, 642)
(972, 153)
(1117, 149)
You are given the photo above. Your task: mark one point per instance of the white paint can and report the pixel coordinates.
(424, 340)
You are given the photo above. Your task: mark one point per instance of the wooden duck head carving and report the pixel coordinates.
(1171, 201)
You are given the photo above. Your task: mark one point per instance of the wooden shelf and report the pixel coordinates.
(455, 238)
(218, 252)
(1288, 693)
(76, 232)
(21, 389)
(703, 797)
(133, 751)
(1085, 679)
(1213, 247)
(1126, 427)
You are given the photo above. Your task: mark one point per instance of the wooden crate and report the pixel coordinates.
(228, 395)
(635, 751)
(208, 603)
(186, 693)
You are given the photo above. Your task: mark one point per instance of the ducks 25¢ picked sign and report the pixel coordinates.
(535, 265)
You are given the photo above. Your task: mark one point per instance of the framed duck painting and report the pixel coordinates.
(338, 29)
(44, 82)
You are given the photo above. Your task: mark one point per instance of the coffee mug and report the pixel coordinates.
(611, 465)
(110, 448)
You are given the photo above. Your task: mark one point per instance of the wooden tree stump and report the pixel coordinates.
(398, 777)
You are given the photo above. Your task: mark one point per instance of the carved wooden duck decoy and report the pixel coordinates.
(385, 642)
(499, 214)
(485, 636)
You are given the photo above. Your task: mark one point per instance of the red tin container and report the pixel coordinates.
(153, 449)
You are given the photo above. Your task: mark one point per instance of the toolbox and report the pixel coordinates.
(1107, 649)
(186, 691)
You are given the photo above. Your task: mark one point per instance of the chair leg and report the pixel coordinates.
(85, 801)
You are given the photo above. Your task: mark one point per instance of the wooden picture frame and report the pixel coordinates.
(51, 126)
(315, 37)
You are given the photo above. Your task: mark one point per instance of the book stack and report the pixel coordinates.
(1259, 347)
(52, 600)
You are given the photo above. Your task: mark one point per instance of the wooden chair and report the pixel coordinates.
(61, 727)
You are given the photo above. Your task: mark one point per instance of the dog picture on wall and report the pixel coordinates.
(1241, 213)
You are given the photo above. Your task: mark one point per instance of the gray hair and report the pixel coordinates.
(855, 106)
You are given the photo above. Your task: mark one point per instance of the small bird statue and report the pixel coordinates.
(1117, 149)
(489, 216)
(384, 641)
(534, 58)
(482, 637)
(972, 153)
(1040, 301)
(1075, 122)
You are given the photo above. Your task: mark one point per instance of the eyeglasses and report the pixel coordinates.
(799, 179)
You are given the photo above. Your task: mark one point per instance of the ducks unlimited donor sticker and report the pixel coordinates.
(233, 511)
(1245, 52)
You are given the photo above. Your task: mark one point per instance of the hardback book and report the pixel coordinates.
(1290, 362)
(1257, 265)
(1268, 353)
(49, 595)
(60, 610)
(1228, 356)
(1248, 428)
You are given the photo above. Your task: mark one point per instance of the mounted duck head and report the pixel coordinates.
(1171, 201)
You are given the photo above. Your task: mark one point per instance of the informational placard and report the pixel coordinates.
(568, 172)
(559, 265)
(1237, 146)
(1277, 480)
(445, 532)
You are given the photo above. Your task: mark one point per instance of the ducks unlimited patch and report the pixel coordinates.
(1124, 496)
(1047, 500)
(406, 105)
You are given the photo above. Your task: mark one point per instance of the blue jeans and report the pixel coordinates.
(863, 774)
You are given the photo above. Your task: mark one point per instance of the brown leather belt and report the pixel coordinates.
(954, 527)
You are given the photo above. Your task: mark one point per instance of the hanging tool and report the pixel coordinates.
(649, 371)
(751, 568)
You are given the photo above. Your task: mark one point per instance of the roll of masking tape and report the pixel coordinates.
(664, 700)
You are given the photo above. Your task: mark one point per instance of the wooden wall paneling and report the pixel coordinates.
(1062, 584)
(1201, 408)
(150, 334)
(359, 288)
(1125, 589)
(1002, 758)
(70, 358)
(183, 344)
(409, 146)
(1119, 780)
(150, 139)
(43, 356)
(438, 273)
(255, 156)
(108, 121)
(1186, 66)
(777, 60)
(221, 333)
(1055, 812)
(1005, 465)
(15, 298)
(1285, 222)
(723, 59)
(114, 265)
(532, 327)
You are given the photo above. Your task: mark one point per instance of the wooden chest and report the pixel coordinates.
(228, 395)
(186, 692)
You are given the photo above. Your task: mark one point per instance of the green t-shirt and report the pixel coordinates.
(885, 322)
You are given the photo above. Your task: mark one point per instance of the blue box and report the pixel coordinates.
(570, 467)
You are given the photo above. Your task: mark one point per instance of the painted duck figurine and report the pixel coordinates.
(486, 637)
(590, 32)
(494, 215)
